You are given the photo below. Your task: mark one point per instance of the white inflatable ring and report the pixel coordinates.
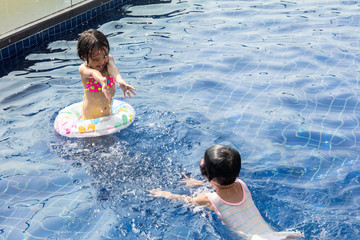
(68, 122)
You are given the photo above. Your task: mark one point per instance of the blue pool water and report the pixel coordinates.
(278, 80)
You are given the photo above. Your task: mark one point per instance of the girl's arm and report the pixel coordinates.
(114, 71)
(202, 199)
(87, 72)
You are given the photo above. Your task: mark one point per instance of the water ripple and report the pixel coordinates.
(277, 80)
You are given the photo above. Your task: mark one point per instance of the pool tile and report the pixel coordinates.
(12, 50)
(5, 53)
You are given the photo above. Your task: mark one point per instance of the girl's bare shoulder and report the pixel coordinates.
(82, 68)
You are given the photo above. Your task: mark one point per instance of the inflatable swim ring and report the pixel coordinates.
(69, 124)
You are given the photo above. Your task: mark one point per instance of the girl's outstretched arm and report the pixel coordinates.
(202, 199)
(114, 71)
(168, 195)
(87, 72)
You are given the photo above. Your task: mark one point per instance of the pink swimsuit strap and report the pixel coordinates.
(95, 86)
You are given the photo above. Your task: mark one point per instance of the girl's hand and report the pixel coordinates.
(126, 88)
(190, 182)
(105, 89)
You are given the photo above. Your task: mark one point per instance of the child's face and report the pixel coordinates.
(99, 59)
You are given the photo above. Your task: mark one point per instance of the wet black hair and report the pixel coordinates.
(90, 40)
(221, 164)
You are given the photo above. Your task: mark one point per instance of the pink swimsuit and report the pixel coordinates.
(95, 86)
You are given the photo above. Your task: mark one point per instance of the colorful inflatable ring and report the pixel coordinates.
(69, 124)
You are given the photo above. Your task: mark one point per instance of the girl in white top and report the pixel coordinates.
(232, 199)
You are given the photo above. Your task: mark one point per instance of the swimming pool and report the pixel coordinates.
(278, 80)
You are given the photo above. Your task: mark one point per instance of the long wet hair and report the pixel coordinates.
(89, 41)
(222, 164)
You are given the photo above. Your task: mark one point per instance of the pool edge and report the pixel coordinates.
(23, 39)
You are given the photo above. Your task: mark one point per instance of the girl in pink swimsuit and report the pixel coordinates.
(98, 75)
(232, 199)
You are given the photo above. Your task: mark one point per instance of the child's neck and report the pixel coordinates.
(232, 193)
(219, 187)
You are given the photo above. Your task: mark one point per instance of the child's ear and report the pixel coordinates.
(83, 58)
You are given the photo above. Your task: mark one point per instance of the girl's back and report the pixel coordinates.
(243, 216)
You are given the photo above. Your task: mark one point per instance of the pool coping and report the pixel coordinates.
(21, 40)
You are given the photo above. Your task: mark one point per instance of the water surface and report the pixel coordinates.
(278, 80)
